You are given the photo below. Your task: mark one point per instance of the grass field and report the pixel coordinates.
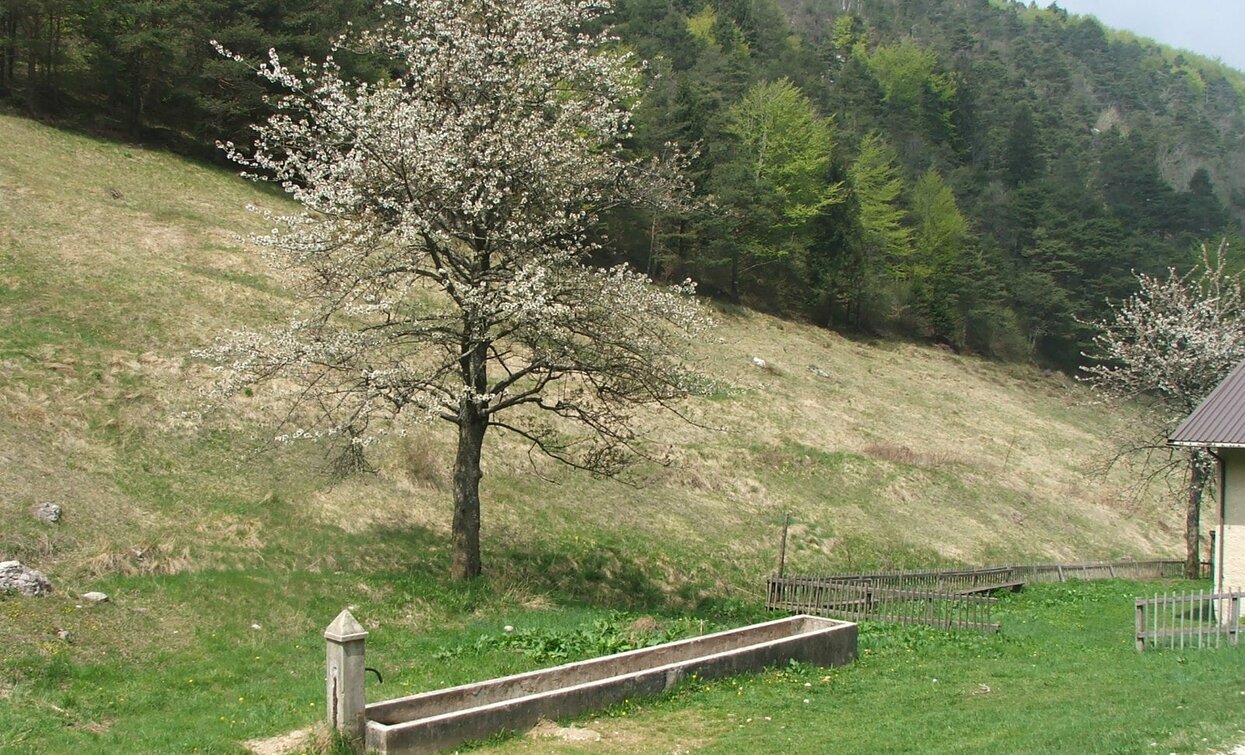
(116, 263)
(1061, 676)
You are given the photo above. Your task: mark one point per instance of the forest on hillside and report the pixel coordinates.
(987, 175)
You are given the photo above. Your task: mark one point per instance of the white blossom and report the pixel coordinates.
(1170, 345)
(446, 219)
(1174, 340)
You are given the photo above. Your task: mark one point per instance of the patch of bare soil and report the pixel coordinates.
(94, 727)
(283, 744)
(550, 730)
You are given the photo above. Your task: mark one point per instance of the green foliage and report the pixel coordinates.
(783, 149)
(1022, 157)
(909, 76)
(1015, 106)
(877, 185)
(701, 24)
(776, 180)
(616, 632)
(859, 246)
(933, 268)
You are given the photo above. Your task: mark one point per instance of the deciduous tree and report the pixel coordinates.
(878, 185)
(938, 243)
(777, 179)
(447, 215)
(1169, 345)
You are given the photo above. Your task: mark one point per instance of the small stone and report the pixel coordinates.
(47, 512)
(507, 628)
(819, 372)
(23, 580)
(95, 597)
(256, 626)
(759, 362)
(62, 634)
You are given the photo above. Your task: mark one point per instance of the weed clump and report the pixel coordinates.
(617, 632)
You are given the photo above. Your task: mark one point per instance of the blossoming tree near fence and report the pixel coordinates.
(1169, 345)
(447, 215)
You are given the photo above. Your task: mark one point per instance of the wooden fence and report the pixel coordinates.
(995, 577)
(945, 608)
(1191, 619)
(947, 598)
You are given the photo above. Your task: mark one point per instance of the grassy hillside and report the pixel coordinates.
(115, 263)
(119, 262)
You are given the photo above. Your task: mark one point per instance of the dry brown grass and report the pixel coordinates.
(426, 460)
(905, 455)
(860, 443)
(317, 740)
(145, 559)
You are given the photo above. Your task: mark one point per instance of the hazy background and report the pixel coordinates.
(1211, 27)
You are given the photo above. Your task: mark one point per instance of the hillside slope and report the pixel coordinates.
(225, 556)
(117, 262)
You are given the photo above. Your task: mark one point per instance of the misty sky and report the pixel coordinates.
(1214, 28)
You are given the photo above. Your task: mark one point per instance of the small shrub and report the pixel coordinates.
(424, 464)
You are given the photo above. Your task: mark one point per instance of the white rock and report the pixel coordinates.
(48, 512)
(23, 580)
(95, 597)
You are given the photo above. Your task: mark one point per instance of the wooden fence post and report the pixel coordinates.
(782, 548)
(1235, 617)
(346, 640)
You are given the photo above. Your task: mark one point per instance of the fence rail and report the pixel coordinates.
(857, 601)
(1191, 619)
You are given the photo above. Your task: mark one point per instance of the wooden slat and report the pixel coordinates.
(1187, 620)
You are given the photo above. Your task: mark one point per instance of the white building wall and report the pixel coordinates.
(1230, 564)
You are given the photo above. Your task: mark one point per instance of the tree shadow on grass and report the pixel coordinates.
(603, 575)
(572, 574)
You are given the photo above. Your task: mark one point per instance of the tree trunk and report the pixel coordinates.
(735, 276)
(465, 535)
(1193, 517)
(8, 50)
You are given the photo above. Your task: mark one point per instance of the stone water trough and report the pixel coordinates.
(435, 721)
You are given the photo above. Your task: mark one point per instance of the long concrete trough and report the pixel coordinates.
(435, 721)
